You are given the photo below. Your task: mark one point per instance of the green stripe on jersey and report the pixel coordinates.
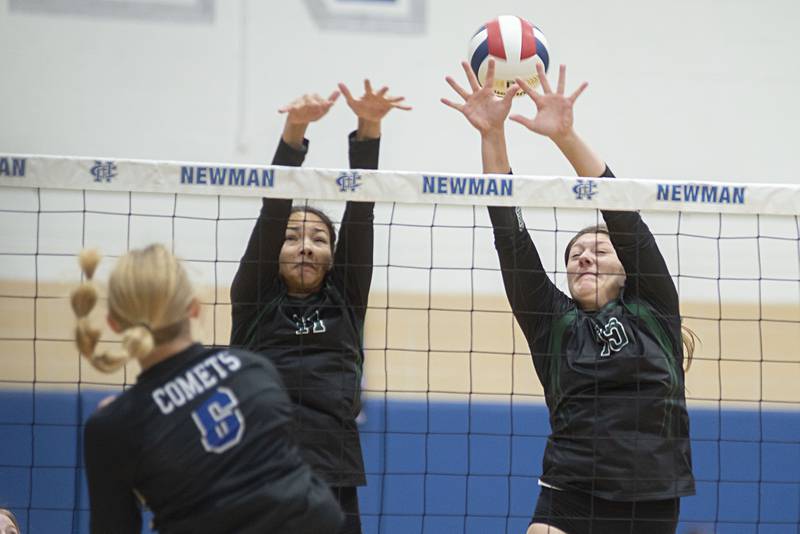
(643, 312)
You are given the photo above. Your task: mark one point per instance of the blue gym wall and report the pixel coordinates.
(449, 467)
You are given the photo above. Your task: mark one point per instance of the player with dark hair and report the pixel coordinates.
(300, 299)
(203, 437)
(610, 357)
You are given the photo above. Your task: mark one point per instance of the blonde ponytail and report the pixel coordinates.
(149, 295)
(138, 341)
(83, 300)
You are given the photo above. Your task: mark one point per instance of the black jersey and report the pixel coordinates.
(613, 379)
(203, 439)
(316, 342)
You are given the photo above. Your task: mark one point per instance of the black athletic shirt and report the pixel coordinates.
(316, 342)
(613, 379)
(203, 438)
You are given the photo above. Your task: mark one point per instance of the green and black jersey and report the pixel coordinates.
(613, 379)
(314, 342)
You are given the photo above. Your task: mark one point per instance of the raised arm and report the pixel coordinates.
(647, 273)
(259, 266)
(530, 291)
(354, 252)
(113, 507)
(531, 294)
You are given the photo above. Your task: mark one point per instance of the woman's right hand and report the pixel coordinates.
(308, 108)
(482, 108)
(303, 111)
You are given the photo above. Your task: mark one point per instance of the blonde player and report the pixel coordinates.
(202, 438)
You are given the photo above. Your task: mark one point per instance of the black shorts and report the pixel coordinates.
(575, 512)
(348, 501)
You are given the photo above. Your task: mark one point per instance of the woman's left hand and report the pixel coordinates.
(372, 106)
(554, 116)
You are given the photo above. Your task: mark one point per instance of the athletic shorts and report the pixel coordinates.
(348, 501)
(576, 512)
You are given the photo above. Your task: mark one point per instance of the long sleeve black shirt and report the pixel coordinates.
(203, 439)
(613, 379)
(316, 342)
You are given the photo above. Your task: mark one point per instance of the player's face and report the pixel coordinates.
(594, 273)
(7, 526)
(306, 253)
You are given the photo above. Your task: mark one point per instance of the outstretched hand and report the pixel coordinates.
(372, 106)
(554, 116)
(482, 108)
(308, 108)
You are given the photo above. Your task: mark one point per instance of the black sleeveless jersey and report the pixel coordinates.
(316, 342)
(613, 379)
(204, 440)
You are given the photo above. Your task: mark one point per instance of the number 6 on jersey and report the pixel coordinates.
(220, 421)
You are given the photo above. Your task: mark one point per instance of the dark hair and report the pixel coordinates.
(594, 229)
(325, 219)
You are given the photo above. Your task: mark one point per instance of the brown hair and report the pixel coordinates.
(323, 217)
(688, 337)
(594, 229)
(149, 295)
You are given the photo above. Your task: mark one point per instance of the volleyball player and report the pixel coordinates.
(610, 357)
(203, 438)
(300, 299)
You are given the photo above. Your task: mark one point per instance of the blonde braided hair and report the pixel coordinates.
(149, 295)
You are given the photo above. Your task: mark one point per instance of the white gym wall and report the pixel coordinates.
(699, 89)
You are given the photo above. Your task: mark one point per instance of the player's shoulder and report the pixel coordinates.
(256, 371)
(334, 290)
(246, 359)
(636, 306)
(562, 308)
(111, 413)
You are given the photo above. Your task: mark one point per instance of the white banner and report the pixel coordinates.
(194, 178)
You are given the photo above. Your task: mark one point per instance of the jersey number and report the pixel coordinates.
(220, 421)
(612, 336)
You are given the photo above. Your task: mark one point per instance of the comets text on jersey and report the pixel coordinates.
(198, 379)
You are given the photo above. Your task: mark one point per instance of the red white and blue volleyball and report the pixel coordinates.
(516, 46)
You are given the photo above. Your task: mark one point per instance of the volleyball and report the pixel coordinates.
(516, 46)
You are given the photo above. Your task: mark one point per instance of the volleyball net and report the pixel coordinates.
(454, 423)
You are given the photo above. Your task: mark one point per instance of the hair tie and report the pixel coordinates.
(145, 326)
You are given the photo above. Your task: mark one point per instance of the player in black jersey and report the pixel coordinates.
(203, 438)
(610, 358)
(300, 299)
